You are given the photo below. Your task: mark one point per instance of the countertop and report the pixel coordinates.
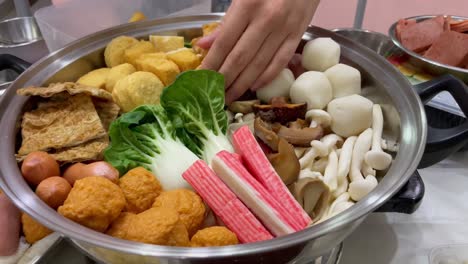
(440, 220)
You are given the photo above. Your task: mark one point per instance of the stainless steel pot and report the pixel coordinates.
(383, 84)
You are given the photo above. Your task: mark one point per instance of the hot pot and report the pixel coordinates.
(405, 123)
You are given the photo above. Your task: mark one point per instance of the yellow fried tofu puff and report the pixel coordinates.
(114, 52)
(209, 28)
(96, 78)
(137, 16)
(167, 43)
(137, 89)
(119, 228)
(187, 203)
(165, 69)
(159, 226)
(136, 50)
(118, 72)
(33, 231)
(186, 59)
(214, 236)
(94, 202)
(140, 188)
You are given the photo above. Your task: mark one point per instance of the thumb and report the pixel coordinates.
(207, 41)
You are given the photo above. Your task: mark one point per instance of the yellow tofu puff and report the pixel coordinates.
(209, 28)
(96, 78)
(185, 58)
(132, 53)
(116, 73)
(166, 70)
(114, 52)
(137, 89)
(167, 43)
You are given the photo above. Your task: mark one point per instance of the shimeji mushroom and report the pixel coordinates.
(331, 141)
(300, 151)
(350, 115)
(376, 157)
(312, 88)
(366, 169)
(308, 173)
(331, 172)
(320, 165)
(344, 164)
(318, 117)
(313, 195)
(340, 204)
(360, 186)
(318, 149)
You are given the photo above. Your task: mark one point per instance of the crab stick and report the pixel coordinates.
(257, 163)
(224, 203)
(268, 210)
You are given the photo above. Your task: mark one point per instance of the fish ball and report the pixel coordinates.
(345, 80)
(312, 88)
(320, 54)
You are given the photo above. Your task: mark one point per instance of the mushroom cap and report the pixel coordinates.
(319, 147)
(308, 173)
(243, 107)
(360, 188)
(285, 162)
(318, 117)
(314, 195)
(378, 160)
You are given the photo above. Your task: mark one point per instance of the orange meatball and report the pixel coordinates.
(94, 202)
(33, 231)
(214, 236)
(187, 203)
(140, 188)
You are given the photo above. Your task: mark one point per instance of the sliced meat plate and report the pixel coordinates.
(224, 203)
(420, 36)
(451, 48)
(258, 165)
(273, 215)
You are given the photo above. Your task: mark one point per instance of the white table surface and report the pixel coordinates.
(441, 219)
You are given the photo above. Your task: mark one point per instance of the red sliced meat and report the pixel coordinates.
(420, 36)
(9, 227)
(459, 26)
(450, 48)
(402, 25)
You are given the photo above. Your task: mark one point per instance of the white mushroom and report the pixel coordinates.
(344, 164)
(376, 157)
(320, 54)
(331, 141)
(366, 169)
(238, 117)
(343, 198)
(350, 115)
(312, 88)
(318, 149)
(331, 172)
(299, 151)
(345, 80)
(308, 173)
(320, 165)
(360, 186)
(340, 207)
(318, 117)
(313, 195)
(279, 87)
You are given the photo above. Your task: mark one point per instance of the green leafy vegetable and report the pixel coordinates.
(195, 104)
(146, 137)
(188, 45)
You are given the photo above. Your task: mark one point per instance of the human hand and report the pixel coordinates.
(255, 41)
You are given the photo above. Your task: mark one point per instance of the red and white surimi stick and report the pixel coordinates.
(273, 215)
(224, 203)
(257, 163)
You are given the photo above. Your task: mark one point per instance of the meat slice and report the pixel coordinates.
(459, 25)
(402, 25)
(420, 36)
(450, 48)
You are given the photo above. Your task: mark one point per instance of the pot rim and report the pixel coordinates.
(80, 234)
(32, 21)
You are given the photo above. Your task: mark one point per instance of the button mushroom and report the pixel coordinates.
(350, 115)
(313, 195)
(282, 113)
(360, 186)
(285, 162)
(318, 117)
(376, 157)
(312, 88)
(243, 107)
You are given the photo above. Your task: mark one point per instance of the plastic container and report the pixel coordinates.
(449, 254)
(66, 21)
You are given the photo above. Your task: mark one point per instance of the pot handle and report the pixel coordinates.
(8, 61)
(441, 143)
(407, 199)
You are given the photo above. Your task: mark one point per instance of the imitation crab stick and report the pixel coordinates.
(257, 163)
(268, 210)
(234, 214)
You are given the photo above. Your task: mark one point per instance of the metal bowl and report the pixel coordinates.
(431, 66)
(375, 41)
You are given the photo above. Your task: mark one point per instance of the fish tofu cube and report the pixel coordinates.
(167, 43)
(166, 70)
(186, 59)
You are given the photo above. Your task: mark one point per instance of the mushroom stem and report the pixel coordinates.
(376, 157)
(331, 172)
(344, 162)
(330, 141)
(342, 187)
(318, 149)
(366, 169)
(308, 173)
(318, 117)
(361, 146)
(238, 117)
(320, 165)
(360, 188)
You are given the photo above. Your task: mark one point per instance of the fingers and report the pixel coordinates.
(263, 57)
(244, 51)
(226, 39)
(278, 63)
(207, 41)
